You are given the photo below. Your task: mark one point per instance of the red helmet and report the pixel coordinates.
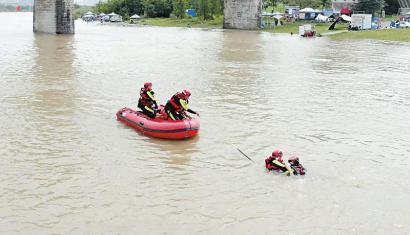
(186, 94)
(148, 85)
(277, 153)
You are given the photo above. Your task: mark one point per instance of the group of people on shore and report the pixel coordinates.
(175, 107)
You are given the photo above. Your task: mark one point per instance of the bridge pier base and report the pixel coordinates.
(53, 16)
(242, 14)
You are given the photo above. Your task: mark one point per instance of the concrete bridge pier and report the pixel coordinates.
(242, 14)
(53, 16)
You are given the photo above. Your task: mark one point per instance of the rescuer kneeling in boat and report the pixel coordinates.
(276, 163)
(147, 102)
(178, 104)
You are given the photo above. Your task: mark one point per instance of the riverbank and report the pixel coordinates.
(340, 32)
(402, 35)
(294, 28)
(217, 22)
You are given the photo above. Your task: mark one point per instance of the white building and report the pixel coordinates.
(404, 3)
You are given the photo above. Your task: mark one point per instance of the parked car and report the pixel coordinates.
(405, 24)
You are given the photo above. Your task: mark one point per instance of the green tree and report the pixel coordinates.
(304, 3)
(269, 3)
(370, 6)
(216, 7)
(204, 10)
(122, 7)
(179, 7)
(103, 7)
(193, 4)
(391, 7)
(158, 8)
(325, 3)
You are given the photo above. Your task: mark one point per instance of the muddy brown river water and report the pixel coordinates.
(67, 166)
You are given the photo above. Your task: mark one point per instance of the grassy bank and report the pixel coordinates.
(288, 28)
(188, 22)
(218, 21)
(389, 18)
(383, 34)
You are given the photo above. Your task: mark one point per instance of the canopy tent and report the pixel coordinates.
(267, 14)
(112, 14)
(321, 18)
(134, 17)
(102, 14)
(274, 14)
(89, 13)
(191, 12)
(307, 10)
(346, 18)
(278, 17)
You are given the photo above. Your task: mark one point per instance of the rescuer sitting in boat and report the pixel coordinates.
(297, 168)
(147, 102)
(178, 104)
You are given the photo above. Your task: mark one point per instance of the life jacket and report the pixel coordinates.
(175, 103)
(298, 169)
(145, 100)
(273, 167)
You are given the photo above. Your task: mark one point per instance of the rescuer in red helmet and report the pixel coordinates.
(147, 102)
(276, 163)
(178, 104)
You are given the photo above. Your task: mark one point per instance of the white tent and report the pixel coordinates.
(89, 13)
(112, 14)
(102, 14)
(278, 17)
(134, 17)
(346, 18)
(307, 10)
(321, 18)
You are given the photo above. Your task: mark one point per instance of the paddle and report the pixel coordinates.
(286, 165)
(244, 154)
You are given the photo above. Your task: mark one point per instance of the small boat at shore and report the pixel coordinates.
(159, 127)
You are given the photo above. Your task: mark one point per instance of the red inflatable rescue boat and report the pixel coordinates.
(159, 127)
